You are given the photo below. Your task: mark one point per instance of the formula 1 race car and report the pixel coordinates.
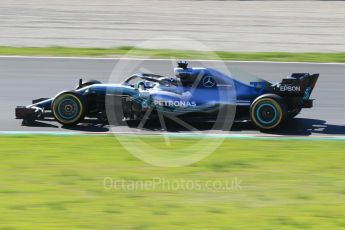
(194, 92)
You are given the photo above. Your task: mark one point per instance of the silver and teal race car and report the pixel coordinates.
(197, 93)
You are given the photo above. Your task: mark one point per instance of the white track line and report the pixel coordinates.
(163, 59)
(187, 135)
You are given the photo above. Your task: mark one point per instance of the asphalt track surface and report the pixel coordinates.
(24, 78)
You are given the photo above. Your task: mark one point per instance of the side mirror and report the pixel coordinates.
(80, 83)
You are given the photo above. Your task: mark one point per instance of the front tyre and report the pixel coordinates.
(268, 111)
(68, 108)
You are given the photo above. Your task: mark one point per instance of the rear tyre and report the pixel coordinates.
(68, 108)
(268, 111)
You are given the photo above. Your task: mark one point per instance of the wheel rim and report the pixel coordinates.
(67, 108)
(266, 113)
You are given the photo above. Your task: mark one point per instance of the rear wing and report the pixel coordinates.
(297, 85)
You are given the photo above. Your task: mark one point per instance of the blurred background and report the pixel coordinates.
(291, 26)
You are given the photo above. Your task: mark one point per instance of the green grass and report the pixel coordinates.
(50, 182)
(166, 53)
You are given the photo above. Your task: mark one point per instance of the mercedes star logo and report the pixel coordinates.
(208, 82)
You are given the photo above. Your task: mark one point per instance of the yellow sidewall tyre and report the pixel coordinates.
(268, 112)
(68, 108)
